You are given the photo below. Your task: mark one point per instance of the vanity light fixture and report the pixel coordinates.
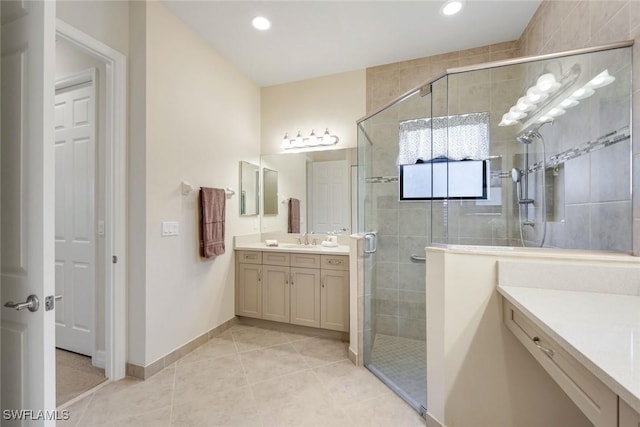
(311, 141)
(451, 7)
(546, 85)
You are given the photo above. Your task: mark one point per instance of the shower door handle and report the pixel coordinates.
(370, 243)
(416, 258)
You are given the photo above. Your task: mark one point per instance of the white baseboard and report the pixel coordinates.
(98, 359)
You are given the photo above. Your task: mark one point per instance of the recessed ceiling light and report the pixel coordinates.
(451, 7)
(261, 23)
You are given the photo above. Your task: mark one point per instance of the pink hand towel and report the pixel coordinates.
(212, 217)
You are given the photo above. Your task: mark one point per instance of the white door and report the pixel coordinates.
(75, 217)
(26, 211)
(330, 196)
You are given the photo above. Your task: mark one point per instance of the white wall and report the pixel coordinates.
(333, 102)
(70, 60)
(203, 118)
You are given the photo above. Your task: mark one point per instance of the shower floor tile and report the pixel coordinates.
(403, 361)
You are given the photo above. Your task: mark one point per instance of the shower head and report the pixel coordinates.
(527, 137)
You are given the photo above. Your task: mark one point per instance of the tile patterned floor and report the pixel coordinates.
(250, 376)
(404, 362)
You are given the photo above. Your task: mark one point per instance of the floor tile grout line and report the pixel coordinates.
(84, 410)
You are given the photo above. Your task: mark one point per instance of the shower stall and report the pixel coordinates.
(531, 152)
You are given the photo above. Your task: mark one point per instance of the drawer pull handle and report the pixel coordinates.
(250, 256)
(547, 351)
(334, 262)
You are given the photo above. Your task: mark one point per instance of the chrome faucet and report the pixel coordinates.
(305, 236)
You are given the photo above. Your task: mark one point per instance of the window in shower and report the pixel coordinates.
(444, 179)
(444, 157)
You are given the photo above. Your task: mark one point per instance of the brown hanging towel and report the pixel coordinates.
(212, 217)
(294, 215)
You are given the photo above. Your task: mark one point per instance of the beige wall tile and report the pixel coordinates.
(575, 30)
(616, 29)
(602, 11)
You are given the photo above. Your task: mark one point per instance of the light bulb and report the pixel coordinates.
(534, 96)
(569, 103)
(299, 141)
(286, 143)
(555, 112)
(506, 121)
(523, 105)
(313, 139)
(601, 80)
(544, 119)
(582, 93)
(547, 83)
(514, 114)
(328, 139)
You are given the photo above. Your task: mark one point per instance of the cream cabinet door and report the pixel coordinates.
(249, 298)
(334, 300)
(627, 417)
(275, 293)
(305, 297)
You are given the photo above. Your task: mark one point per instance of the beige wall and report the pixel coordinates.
(563, 25)
(333, 102)
(104, 20)
(203, 118)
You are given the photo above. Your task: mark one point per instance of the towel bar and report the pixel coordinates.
(188, 188)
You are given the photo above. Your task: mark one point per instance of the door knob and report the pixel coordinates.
(32, 303)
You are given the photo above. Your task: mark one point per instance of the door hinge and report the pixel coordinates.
(114, 259)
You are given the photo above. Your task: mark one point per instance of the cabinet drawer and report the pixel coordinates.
(305, 260)
(334, 262)
(250, 257)
(589, 394)
(275, 258)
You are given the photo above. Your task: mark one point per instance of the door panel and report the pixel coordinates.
(75, 217)
(27, 207)
(249, 290)
(275, 293)
(305, 297)
(330, 196)
(335, 300)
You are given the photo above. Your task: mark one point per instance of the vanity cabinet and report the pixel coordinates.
(301, 289)
(627, 417)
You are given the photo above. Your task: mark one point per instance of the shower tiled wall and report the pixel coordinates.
(564, 25)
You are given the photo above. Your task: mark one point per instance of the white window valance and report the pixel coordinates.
(464, 136)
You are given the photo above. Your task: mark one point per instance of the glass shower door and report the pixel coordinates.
(394, 275)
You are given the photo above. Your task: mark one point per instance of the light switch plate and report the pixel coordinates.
(170, 228)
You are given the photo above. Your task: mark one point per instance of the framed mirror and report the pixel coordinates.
(249, 189)
(270, 191)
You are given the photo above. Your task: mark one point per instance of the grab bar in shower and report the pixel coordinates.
(416, 258)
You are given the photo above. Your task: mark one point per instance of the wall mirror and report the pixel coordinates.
(249, 189)
(270, 191)
(322, 181)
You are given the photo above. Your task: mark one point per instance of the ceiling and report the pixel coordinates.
(316, 38)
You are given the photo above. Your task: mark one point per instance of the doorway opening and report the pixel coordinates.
(91, 262)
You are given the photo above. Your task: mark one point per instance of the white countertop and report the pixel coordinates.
(293, 247)
(601, 330)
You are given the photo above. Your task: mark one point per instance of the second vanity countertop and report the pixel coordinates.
(601, 330)
(293, 247)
